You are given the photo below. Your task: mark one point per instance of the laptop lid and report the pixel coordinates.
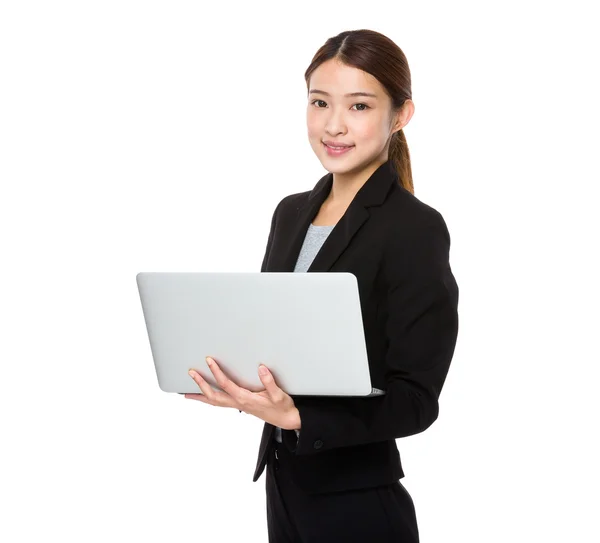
(305, 327)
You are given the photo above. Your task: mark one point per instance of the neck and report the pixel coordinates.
(346, 185)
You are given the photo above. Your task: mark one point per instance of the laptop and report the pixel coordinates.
(305, 327)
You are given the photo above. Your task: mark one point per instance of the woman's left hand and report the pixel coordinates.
(272, 405)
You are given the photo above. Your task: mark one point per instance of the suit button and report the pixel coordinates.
(318, 444)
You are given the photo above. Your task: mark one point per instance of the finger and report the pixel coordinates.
(202, 398)
(199, 397)
(214, 397)
(271, 388)
(202, 384)
(223, 381)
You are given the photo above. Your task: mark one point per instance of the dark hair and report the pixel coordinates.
(379, 56)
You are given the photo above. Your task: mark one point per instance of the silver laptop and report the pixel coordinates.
(305, 327)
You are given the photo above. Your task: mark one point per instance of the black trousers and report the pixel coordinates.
(382, 514)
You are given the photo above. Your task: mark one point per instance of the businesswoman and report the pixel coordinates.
(333, 466)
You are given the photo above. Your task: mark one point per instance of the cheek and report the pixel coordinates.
(313, 126)
(369, 131)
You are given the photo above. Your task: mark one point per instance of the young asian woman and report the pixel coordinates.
(333, 465)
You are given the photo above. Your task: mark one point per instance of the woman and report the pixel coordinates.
(333, 467)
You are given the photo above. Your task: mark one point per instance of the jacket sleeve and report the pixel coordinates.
(421, 331)
(263, 266)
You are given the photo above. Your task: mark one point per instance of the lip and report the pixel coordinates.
(336, 143)
(337, 152)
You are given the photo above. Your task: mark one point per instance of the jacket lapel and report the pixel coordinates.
(372, 193)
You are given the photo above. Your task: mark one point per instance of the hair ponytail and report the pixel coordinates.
(400, 157)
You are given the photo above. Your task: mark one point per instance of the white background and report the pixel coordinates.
(161, 135)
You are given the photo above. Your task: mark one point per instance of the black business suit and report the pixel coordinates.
(398, 248)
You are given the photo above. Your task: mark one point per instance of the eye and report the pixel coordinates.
(365, 106)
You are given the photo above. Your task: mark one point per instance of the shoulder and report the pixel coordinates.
(289, 204)
(409, 218)
(407, 210)
(292, 202)
(417, 241)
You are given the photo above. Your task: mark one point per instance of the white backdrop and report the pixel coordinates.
(161, 135)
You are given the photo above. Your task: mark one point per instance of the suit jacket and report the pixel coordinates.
(398, 249)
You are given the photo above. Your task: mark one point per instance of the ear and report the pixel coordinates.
(403, 115)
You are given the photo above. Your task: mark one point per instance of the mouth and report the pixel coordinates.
(337, 149)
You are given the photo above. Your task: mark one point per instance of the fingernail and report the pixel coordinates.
(209, 360)
(192, 373)
(263, 370)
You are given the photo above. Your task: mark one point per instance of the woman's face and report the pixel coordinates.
(363, 122)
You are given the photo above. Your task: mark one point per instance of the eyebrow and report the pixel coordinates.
(370, 94)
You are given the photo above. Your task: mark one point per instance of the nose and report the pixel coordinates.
(335, 122)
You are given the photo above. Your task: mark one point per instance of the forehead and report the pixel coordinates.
(337, 78)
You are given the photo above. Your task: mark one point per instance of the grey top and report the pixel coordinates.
(314, 239)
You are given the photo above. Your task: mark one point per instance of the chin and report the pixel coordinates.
(341, 165)
(334, 166)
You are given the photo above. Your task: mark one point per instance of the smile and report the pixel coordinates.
(336, 151)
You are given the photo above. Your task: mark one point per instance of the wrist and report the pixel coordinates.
(296, 421)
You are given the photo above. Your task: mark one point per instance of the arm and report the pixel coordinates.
(421, 327)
